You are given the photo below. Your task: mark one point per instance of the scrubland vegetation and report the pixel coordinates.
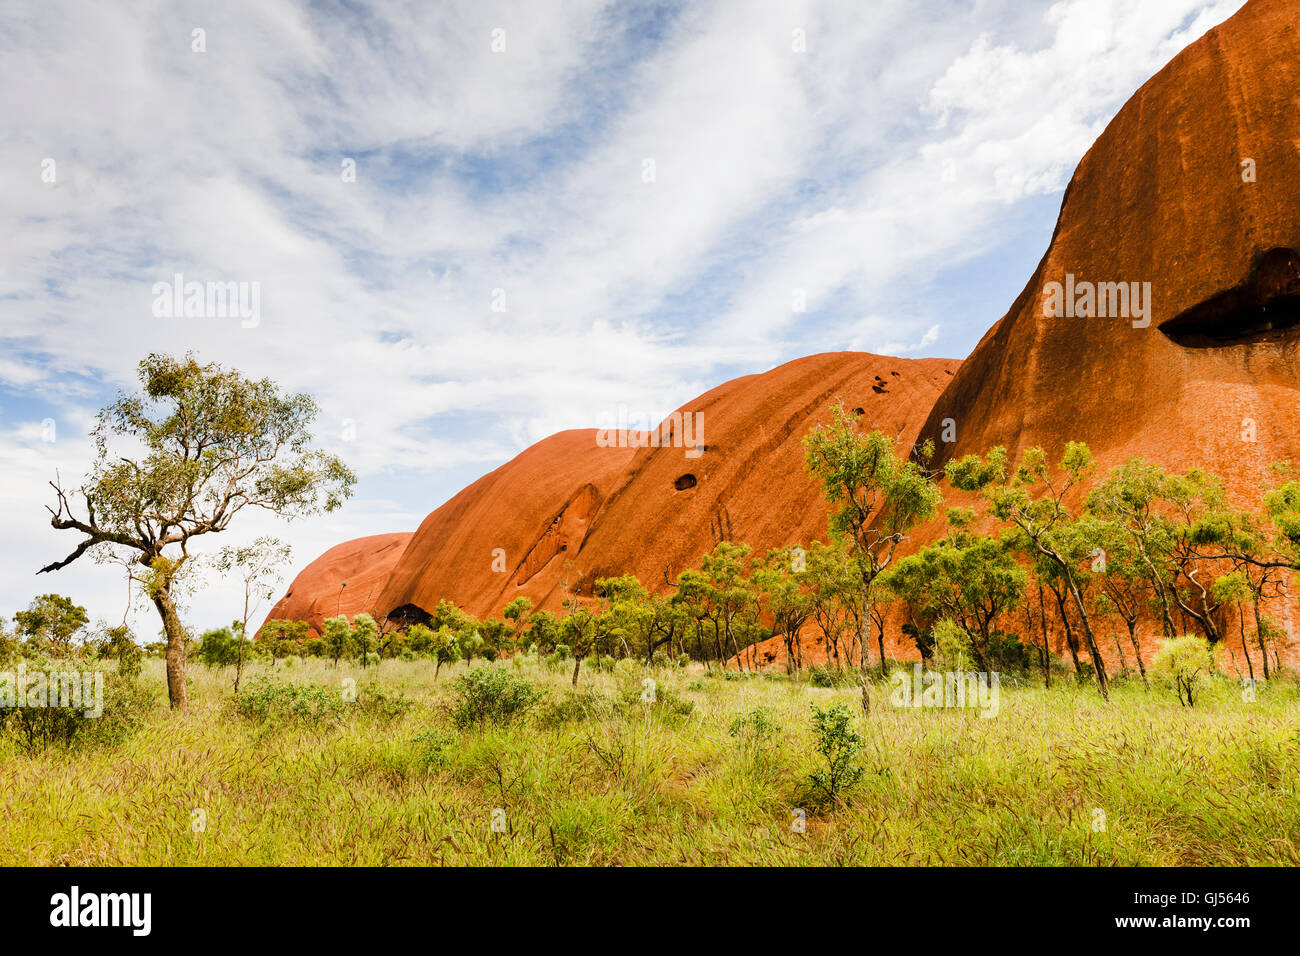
(710, 768)
(632, 725)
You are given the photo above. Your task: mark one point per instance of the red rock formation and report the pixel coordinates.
(1165, 196)
(1194, 187)
(513, 531)
(347, 579)
(1161, 198)
(571, 508)
(750, 484)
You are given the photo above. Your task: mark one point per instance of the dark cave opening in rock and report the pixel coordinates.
(1264, 308)
(409, 614)
(684, 481)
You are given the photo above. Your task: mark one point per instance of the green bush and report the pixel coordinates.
(127, 702)
(832, 677)
(218, 648)
(755, 724)
(1007, 654)
(839, 744)
(435, 746)
(374, 701)
(267, 700)
(492, 695)
(1184, 662)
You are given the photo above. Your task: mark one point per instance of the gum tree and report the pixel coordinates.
(1032, 498)
(51, 622)
(781, 581)
(970, 578)
(184, 457)
(876, 498)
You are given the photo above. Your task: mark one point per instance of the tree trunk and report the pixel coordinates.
(1241, 615)
(176, 692)
(880, 642)
(239, 661)
(864, 635)
(1047, 654)
(1098, 665)
(1137, 651)
(1069, 632)
(1259, 630)
(1168, 619)
(577, 663)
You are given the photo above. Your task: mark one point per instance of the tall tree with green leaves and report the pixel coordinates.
(50, 622)
(1201, 520)
(970, 578)
(1131, 496)
(876, 496)
(1032, 498)
(211, 444)
(832, 593)
(516, 612)
(780, 581)
(1125, 584)
(728, 591)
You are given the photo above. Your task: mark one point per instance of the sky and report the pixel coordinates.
(473, 224)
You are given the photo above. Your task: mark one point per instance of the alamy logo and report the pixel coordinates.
(68, 689)
(208, 300)
(75, 908)
(1099, 300)
(955, 689)
(678, 430)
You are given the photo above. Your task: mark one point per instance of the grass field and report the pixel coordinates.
(600, 777)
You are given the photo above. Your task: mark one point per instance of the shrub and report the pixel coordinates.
(1185, 662)
(218, 648)
(756, 724)
(839, 744)
(127, 702)
(374, 701)
(434, 747)
(492, 695)
(576, 705)
(951, 646)
(831, 677)
(1007, 654)
(267, 700)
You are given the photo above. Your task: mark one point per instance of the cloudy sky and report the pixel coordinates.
(558, 209)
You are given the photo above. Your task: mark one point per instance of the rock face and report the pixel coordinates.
(347, 579)
(749, 484)
(513, 532)
(1194, 187)
(576, 507)
(584, 504)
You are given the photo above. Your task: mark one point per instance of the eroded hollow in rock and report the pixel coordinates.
(1264, 308)
(684, 481)
(409, 614)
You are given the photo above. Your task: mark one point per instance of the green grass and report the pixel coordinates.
(606, 779)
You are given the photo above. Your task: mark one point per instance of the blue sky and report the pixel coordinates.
(898, 163)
